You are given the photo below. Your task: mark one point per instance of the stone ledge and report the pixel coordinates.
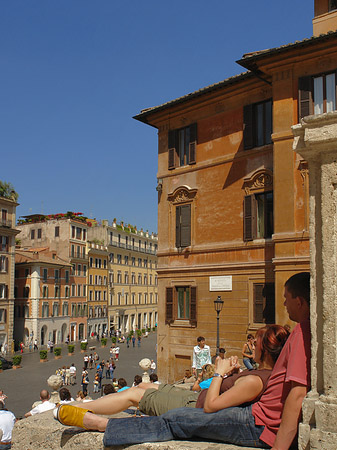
(45, 433)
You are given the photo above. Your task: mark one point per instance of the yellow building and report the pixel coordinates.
(98, 289)
(133, 296)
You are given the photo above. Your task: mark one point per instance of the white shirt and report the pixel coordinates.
(42, 407)
(7, 421)
(72, 369)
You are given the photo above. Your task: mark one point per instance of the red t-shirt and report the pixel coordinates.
(293, 364)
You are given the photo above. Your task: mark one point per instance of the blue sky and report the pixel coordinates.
(74, 72)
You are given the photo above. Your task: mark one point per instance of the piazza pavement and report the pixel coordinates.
(22, 386)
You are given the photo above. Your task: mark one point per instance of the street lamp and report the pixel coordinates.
(218, 305)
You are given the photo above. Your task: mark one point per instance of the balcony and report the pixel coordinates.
(5, 223)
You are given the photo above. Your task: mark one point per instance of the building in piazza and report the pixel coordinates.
(98, 288)
(233, 213)
(65, 235)
(132, 264)
(42, 297)
(8, 232)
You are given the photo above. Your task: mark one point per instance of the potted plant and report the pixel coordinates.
(43, 356)
(114, 339)
(84, 346)
(57, 352)
(0, 366)
(71, 348)
(143, 330)
(154, 329)
(16, 361)
(103, 342)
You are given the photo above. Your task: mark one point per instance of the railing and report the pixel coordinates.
(6, 223)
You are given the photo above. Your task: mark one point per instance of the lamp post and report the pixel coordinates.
(218, 305)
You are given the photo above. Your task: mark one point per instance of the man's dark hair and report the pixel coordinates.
(200, 338)
(137, 380)
(222, 350)
(153, 377)
(108, 389)
(122, 382)
(64, 394)
(299, 286)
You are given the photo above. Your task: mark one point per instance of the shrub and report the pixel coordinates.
(154, 329)
(139, 332)
(43, 354)
(143, 330)
(57, 351)
(114, 339)
(17, 360)
(0, 365)
(71, 348)
(149, 329)
(84, 345)
(104, 341)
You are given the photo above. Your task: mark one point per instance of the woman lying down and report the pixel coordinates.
(228, 388)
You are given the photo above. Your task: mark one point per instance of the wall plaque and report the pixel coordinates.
(221, 283)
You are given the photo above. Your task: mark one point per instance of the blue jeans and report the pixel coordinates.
(231, 425)
(248, 364)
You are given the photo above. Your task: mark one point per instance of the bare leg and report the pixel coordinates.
(114, 403)
(93, 422)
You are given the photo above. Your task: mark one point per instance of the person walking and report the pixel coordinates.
(201, 356)
(85, 381)
(133, 340)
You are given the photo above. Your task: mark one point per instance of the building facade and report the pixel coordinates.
(233, 197)
(7, 268)
(42, 297)
(132, 264)
(98, 289)
(66, 237)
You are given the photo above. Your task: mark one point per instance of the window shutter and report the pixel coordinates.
(305, 103)
(6, 291)
(178, 214)
(172, 142)
(193, 144)
(248, 138)
(169, 306)
(258, 303)
(6, 265)
(193, 306)
(185, 226)
(249, 220)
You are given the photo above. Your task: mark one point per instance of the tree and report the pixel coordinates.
(7, 191)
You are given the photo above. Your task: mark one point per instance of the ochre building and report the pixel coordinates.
(233, 196)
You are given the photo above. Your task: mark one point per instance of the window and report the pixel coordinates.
(183, 226)
(126, 278)
(73, 267)
(90, 296)
(3, 264)
(79, 268)
(84, 234)
(65, 309)
(32, 234)
(133, 278)
(78, 251)
(45, 310)
(55, 309)
(332, 5)
(45, 292)
(317, 94)
(2, 316)
(26, 273)
(126, 260)
(57, 231)
(57, 292)
(66, 292)
(258, 216)
(181, 302)
(73, 250)
(151, 297)
(39, 233)
(84, 290)
(104, 263)
(119, 277)
(67, 276)
(145, 280)
(45, 275)
(145, 262)
(139, 279)
(79, 290)
(78, 233)
(119, 259)
(73, 290)
(26, 291)
(73, 232)
(139, 262)
(264, 303)
(57, 275)
(257, 119)
(3, 291)
(84, 271)
(182, 145)
(133, 261)
(119, 296)
(4, 243)
(90, 262)
(140, 298)
(111, 257)
(133, 297)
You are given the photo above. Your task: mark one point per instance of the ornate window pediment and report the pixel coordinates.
(182, 194)
(261, 181)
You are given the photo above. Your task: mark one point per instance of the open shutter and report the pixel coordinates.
(185, 225)
(305, 101)
(6, 291)
(169, 305)
(258, 303)
(249, 220)
(6, 265)
(178, 214)
(193, 144)
(193, 306)
(248, 136)
(172, 151)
